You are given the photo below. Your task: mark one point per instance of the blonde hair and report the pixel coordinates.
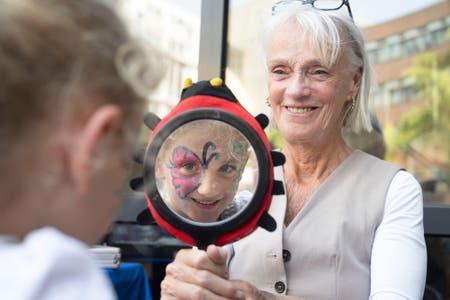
(333, 35)
(221, 131)
(61, 58)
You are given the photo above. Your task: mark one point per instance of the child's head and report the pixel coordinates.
(68, 114)
(199, 168)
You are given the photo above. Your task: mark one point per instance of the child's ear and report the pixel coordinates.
(100, 125)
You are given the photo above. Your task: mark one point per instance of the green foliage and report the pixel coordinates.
(275, 138)
(426, 126)
(432, 78)
(414, 124)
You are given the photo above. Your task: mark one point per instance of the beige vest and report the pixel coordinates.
(329, 242)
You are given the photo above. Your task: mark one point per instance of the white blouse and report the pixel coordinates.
(399, 258)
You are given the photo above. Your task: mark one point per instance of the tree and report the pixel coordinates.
(424, 132)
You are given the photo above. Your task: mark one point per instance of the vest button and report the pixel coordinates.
(280, 287)
(286, 255)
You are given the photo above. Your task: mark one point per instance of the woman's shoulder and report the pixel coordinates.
(405, 183)
(404, 198)
(364, 158)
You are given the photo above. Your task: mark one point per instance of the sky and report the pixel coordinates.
(365, 11)
(379, 11)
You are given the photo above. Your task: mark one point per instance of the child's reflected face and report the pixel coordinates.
(203, 175)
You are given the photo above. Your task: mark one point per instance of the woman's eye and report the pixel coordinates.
(319, 72)
(279, 72)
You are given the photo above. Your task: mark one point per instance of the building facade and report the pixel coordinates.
(392, 47)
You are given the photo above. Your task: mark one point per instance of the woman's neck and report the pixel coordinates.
(306, 168)
(313, 163)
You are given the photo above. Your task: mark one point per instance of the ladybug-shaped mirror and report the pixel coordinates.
(208, 168)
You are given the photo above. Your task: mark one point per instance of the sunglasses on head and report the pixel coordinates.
(318, 4)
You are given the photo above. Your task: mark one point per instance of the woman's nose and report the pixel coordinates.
(298, 86)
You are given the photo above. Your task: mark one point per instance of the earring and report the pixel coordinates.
(268, 102)
(353, 104)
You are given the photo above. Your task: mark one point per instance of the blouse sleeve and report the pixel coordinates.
(399, 258)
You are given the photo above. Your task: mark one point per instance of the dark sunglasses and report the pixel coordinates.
(318, 4)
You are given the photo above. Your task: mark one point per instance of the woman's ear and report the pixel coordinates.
(356, 82)
(100, 125)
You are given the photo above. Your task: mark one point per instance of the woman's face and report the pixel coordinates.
(307, 97)
(201, 174)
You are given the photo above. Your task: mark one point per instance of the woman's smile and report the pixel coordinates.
(300, 110)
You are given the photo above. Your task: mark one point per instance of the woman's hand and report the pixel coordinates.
(250, 292)
(198, 274)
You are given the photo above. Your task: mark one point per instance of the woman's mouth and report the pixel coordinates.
(300, 109)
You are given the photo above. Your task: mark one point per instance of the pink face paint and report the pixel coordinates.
(188, 170)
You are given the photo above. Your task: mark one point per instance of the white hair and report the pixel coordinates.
(331, 33)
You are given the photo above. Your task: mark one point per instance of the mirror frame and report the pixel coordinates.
(223, 231)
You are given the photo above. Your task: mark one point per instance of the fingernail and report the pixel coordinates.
(223, 252)
(239, 295)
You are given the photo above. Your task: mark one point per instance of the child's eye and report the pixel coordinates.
(227, 168)
(192, 167)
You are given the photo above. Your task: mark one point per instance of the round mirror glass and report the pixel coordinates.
(206, 171)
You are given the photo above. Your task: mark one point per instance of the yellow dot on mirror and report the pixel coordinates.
(216, 81)
(187, 83)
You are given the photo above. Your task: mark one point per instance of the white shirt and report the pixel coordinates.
(48, 265)
(399, 258)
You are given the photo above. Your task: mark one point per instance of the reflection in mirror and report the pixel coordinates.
(206, 171)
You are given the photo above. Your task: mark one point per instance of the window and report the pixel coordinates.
(173, 28)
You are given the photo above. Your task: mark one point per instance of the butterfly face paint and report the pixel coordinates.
(188, 170)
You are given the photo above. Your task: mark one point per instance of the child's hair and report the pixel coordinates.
(238, 144)
(60, 59)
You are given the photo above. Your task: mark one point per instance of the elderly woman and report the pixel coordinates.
(69, 115)
(350, 225)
